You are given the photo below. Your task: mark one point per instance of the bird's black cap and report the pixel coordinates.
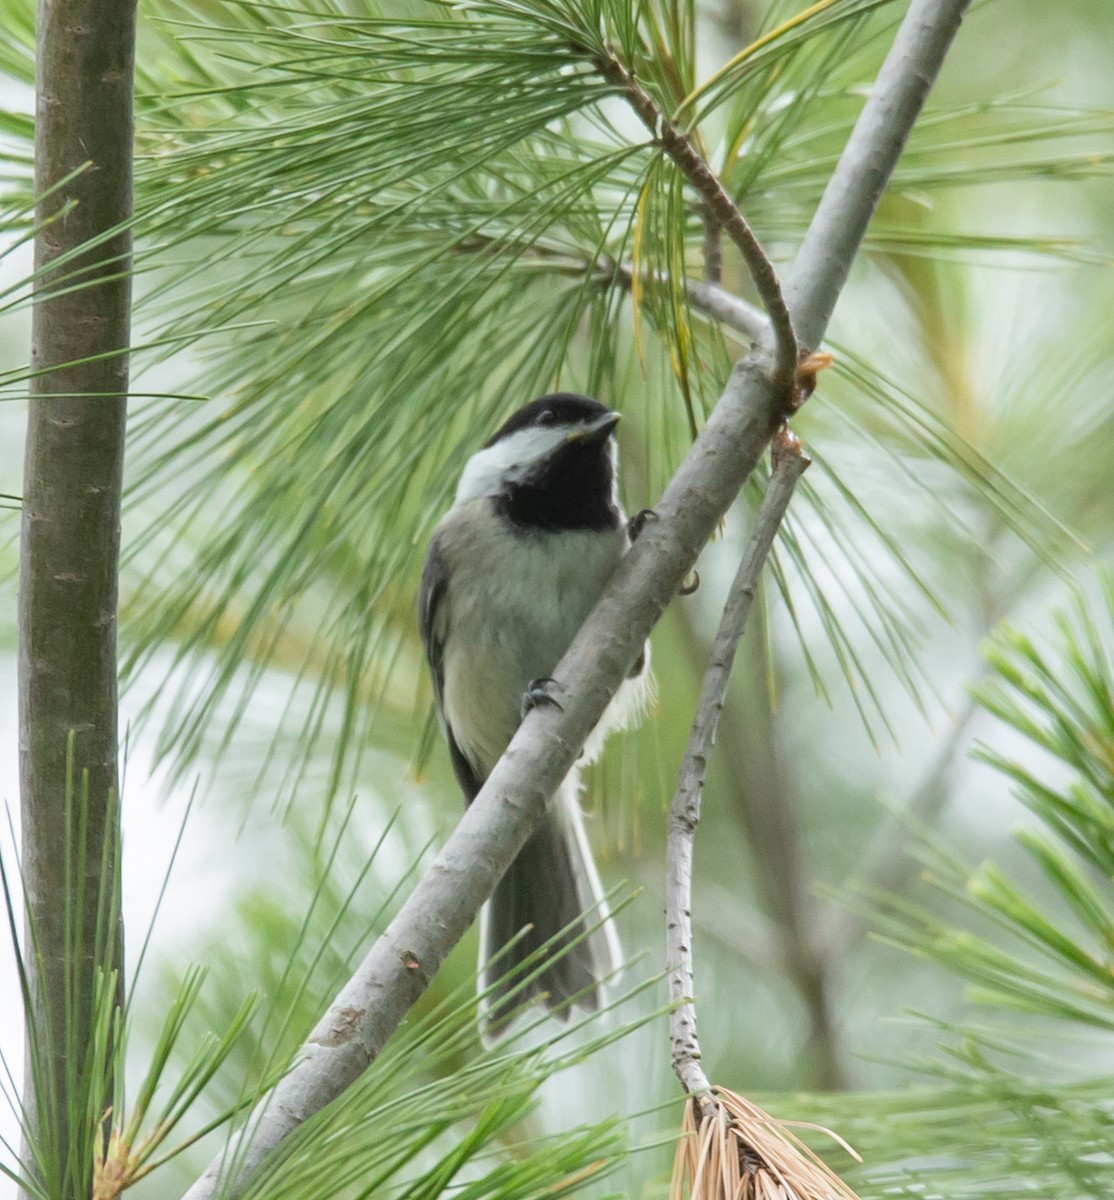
(559, 408)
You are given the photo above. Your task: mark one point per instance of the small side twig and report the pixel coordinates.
(790, 463)
(710, 299)
(718, 209)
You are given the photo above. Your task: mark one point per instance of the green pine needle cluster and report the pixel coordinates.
(1021, 1097)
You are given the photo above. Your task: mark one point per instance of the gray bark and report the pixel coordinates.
(70, 548)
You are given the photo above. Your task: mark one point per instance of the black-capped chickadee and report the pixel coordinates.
(513, 569)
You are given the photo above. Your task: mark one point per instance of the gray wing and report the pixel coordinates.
(433, 621)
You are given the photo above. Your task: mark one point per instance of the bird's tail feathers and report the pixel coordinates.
(550, 897)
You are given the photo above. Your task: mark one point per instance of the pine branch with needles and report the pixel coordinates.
(400, 965)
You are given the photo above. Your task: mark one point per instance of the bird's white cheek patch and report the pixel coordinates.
(488, 470)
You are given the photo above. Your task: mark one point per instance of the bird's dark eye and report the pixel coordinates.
(547, 416)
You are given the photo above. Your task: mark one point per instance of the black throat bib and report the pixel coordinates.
(572, 489)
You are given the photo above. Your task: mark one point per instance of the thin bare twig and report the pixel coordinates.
(758, 790)
(718, 208)
(825, 257)
(789, 464)
(721, 305)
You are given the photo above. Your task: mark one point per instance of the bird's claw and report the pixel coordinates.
(639, 521)
(537, 694)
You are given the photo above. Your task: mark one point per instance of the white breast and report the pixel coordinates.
(513, 606)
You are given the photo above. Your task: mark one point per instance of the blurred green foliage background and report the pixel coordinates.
(342, 290)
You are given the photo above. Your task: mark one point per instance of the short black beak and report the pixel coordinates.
(597, 430)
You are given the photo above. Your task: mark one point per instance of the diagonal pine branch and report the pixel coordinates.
(401, 963)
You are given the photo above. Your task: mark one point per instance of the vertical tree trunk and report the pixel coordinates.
(70, 553)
